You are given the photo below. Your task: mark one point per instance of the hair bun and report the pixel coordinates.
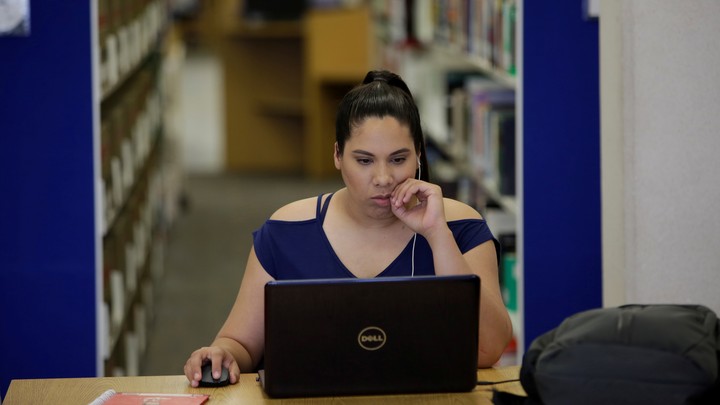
(388, 77)
(378, 76)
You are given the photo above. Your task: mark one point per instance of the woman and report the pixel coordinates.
(388, 220)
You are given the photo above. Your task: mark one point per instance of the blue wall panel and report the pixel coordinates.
(47, 229)
(561, 147)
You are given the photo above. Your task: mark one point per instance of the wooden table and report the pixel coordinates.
(247, 391)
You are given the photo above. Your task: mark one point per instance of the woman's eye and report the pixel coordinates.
(399, 160)
(364, 161)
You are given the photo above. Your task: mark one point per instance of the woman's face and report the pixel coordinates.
(379, 155)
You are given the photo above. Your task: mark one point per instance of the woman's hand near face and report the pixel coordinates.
(429, 212)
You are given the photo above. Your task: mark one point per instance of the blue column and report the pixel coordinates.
(47, 213)
(561, 147)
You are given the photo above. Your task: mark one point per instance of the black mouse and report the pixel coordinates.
(207, 379)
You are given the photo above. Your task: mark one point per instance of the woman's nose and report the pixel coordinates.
(382, 176)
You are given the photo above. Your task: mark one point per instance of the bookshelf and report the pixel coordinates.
(132, 42)
(82, 211)
(546, 54)
(463, 77)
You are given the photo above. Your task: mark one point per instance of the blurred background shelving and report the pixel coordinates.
(102, 187)
(281, 76)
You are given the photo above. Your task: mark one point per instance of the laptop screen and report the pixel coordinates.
(371, 336)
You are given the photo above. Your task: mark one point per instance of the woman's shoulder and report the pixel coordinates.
(299, 210)
(456, 210)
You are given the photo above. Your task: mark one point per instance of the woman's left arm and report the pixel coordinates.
(428, 218)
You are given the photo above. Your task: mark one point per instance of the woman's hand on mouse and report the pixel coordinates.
(428, 214)
(218, 357)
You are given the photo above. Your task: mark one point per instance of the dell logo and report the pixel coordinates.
(372, 338)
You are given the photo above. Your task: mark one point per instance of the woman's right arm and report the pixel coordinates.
(240, 343)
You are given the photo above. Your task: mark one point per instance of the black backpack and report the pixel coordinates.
(633, 354)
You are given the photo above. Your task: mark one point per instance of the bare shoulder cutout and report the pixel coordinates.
(299, 210)
(456, 210)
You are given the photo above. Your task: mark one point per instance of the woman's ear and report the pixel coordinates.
(336, 156)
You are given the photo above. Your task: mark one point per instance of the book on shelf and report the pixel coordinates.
(489, 106)
(510, 294)
(504, 225)
(117, 299)
(140, 324)
(111, 397)
(484, 29)
(126, 32)
(508, 269)
(503, 149)
(508, 44)
(104, 336)
(457, 114)
(132, 353)
(478, 129)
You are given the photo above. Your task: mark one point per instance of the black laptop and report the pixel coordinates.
(371, 336)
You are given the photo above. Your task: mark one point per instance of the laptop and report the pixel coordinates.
(393, 335)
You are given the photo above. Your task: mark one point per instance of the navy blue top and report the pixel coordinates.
(290, 250)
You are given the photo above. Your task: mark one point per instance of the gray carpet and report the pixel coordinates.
(205, 256)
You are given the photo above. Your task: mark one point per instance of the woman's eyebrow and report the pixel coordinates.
(362, 152)
(366, 153)
(400, 152)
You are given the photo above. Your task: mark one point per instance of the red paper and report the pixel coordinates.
(131, 398)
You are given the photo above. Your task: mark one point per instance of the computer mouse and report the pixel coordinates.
(207, 379)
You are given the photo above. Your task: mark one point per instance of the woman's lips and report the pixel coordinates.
(382, 200)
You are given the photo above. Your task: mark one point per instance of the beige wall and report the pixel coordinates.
(660, 91)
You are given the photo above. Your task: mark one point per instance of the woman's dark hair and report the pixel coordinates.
(381, 94)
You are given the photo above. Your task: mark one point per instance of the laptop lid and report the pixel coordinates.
(371, 336)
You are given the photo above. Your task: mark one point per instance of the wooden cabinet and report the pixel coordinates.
(262, 68)
(283, 80)
(339, 50)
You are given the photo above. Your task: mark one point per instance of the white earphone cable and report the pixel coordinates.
(412, 273)
(412, 262)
